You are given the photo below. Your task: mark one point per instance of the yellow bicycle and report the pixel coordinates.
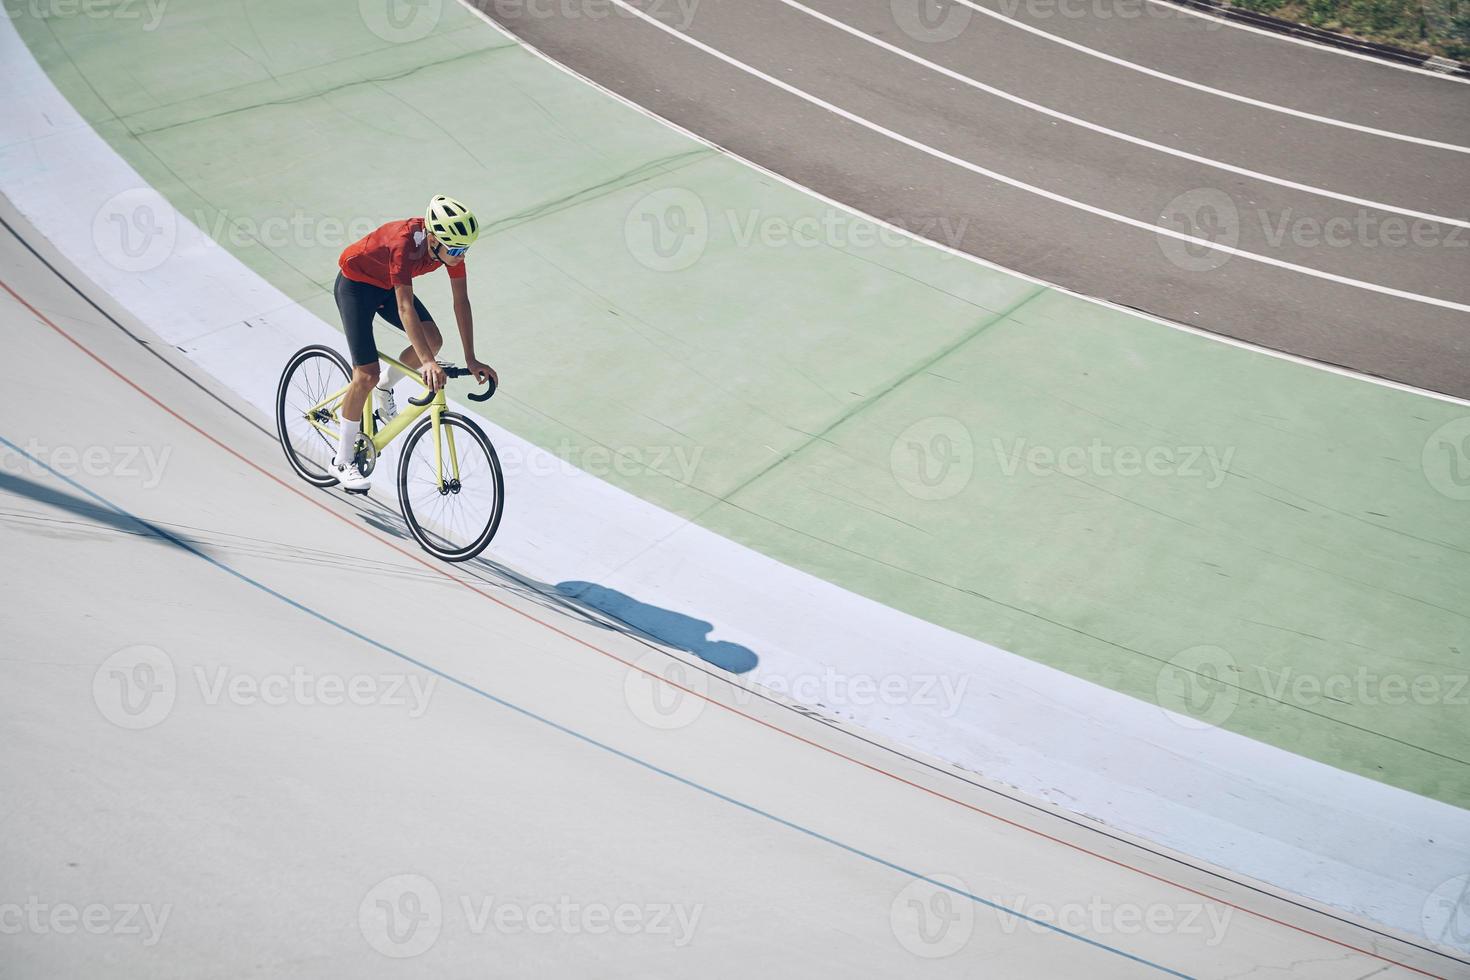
(451, 490)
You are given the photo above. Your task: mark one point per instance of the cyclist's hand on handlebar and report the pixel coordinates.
(433, 375)
(481, 371)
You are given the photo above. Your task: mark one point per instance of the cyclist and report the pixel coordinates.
(375, 277)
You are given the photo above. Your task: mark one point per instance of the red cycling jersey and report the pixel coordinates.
(393, 255)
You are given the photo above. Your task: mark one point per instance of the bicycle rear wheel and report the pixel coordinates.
(311, 375)
(453, 520)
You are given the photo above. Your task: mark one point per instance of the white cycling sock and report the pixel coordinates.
(390, 377)
(347, 441)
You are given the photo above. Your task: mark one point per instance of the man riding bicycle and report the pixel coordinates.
(376, 278)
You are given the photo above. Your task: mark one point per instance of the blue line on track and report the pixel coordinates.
(465, 685)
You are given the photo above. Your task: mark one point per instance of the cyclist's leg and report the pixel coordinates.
(357, 302)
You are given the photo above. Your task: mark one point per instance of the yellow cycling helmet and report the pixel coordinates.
(451, 222)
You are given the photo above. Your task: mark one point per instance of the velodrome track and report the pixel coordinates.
(230, 527)
(505, 755)
(1057, 139)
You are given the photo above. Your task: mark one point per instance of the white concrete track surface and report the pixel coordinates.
(503, 793)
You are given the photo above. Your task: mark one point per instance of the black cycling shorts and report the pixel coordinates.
(358, 302)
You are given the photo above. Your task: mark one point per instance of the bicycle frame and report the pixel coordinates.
(411, 414)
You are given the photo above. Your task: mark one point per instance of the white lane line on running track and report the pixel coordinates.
(832, 202)
(1116, 134)
(1039, 191)
(1200, 87)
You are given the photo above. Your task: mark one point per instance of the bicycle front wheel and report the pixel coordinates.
(452, 498)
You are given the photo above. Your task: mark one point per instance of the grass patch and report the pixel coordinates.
(1439, 27)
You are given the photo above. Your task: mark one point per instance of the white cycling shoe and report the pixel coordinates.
(385, 403)
(350, 477)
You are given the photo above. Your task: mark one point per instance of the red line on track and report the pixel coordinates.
(438, 568)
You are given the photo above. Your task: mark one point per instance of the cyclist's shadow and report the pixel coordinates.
(674, 629)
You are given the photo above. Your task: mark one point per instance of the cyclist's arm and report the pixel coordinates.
(409, 316)
(464, 317)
